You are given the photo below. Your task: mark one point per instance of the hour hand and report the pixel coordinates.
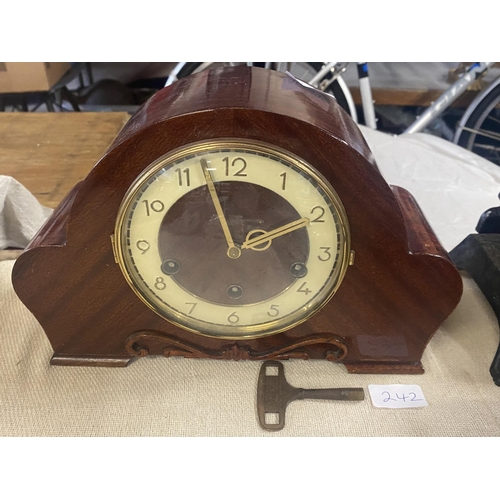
(265, 237)
(233, 252)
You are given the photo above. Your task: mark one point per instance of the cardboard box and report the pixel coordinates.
(30, 77)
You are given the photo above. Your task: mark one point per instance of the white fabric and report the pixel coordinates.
(21, 215)
(452, 185)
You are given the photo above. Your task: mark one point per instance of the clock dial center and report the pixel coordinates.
(206, 270)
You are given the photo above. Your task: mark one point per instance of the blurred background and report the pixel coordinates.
(401, 91)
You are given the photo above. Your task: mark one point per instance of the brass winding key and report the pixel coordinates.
(274, 393)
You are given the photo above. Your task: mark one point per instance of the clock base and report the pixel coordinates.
(105, 361)
(356, 368)
(381, 368)
(236, 353)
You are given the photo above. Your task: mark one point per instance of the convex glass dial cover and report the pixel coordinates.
(232, 238)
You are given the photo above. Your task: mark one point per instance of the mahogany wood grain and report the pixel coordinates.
(401, 287)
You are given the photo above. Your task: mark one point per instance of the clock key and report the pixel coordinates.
(274, 394)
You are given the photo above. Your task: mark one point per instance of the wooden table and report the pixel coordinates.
(50, 152)
(411, 97)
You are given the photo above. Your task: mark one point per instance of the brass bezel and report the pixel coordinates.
(197, 148)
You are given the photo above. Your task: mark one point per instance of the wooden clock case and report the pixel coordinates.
(399, 289)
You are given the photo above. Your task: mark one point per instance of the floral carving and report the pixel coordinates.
(137, 345)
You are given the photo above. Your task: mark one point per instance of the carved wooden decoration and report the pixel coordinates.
(399, 287)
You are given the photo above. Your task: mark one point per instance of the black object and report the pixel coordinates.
(479, 256)
(55, 98)
(489, 222)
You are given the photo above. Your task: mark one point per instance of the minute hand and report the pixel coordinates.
(233, 252)
(275, 233)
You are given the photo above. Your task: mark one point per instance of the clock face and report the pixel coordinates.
(232, 239)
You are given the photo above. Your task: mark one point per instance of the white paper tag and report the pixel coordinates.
(397, 396)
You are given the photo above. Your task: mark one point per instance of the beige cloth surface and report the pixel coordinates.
(182, 397)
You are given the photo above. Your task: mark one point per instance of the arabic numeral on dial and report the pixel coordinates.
(185, 176)
(233, 318)
(274, 311)
(154, 206)
(305, 290)
(193, 305)
(239, 163)
(160, 283)
(143, 246)
(326, 252)
(283, 184)
(320, 211)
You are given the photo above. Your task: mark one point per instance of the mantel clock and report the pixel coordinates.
(239, 215)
